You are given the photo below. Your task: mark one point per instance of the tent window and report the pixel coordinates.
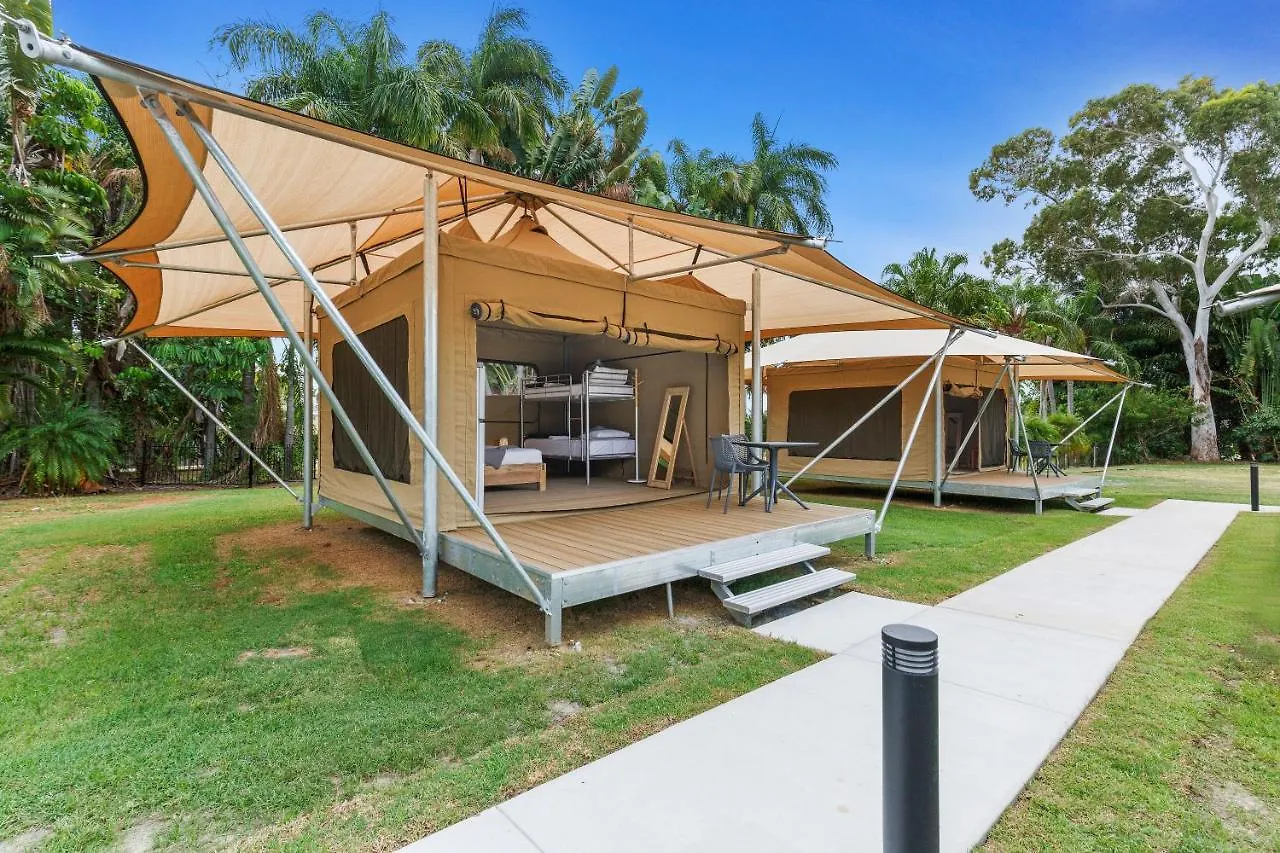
(823, 414)
(384, 432)
(994, 430)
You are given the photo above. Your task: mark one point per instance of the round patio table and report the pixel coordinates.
(772, 486)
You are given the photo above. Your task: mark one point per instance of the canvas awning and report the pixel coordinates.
(341, 194)
(1034, 361)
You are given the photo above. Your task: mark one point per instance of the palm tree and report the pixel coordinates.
(500, 93)
(940, 283)
(782, 187)
(20, 79)
(595, 141)
(36, 222)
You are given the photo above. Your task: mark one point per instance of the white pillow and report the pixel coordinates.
(607, 432)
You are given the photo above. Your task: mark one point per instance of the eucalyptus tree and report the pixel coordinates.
(595, 140)
(1164, 196)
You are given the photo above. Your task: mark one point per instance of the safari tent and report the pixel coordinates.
(461, 315)
(926, 410)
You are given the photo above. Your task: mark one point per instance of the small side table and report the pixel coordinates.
(772, 486)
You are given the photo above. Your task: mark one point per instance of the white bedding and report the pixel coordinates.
(563, 447)
(574, 391)
(496, 457)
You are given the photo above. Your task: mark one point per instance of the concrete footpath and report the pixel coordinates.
(795, 765)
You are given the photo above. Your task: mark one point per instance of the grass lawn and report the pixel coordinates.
(926, 555)
(1147, 485)
(1182, 748)
(159, 683)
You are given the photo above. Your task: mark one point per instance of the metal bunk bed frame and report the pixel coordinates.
(553, 383)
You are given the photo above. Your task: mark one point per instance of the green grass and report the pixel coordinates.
(926, 555)
(1182, 748)
(124, 696)
(1147, 485)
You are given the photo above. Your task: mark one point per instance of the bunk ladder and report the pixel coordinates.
(745, 606)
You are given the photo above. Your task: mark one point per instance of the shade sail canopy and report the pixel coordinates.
(341, 194)
(1034, 361)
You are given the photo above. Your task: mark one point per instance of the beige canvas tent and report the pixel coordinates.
(933, 411)
(427, 278)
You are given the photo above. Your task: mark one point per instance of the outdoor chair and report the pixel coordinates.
(1017, 456)
(1041, 455)
(731, 458)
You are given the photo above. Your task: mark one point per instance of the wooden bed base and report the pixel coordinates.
(530, 473)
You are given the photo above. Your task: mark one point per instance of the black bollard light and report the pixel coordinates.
(909, 719)
(1254, 496)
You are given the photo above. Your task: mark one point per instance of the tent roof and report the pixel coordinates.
(319, 180)
(1035, 361)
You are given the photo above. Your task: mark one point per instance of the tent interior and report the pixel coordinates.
(540, 410)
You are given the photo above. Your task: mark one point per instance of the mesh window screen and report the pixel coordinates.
(384, 433)
(994, 429)
(823, 414)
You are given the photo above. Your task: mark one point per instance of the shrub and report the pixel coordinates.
(1259, 434)
(1154, 424)
(64, 446)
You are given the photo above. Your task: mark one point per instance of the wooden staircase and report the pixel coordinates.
(745, 606)
(1088, 500)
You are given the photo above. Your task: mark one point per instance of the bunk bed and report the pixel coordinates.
(582, 442)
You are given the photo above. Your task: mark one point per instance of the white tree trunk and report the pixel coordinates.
(1204, 424)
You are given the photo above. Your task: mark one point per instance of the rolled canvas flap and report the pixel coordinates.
(502, 312)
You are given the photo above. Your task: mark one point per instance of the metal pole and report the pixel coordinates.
(939, 413)
(1083, 423)
(973, 427)
(430, 381)
(952, 335)
(909, 725)
(732, 259)
(1026, 442)
(348, 334)
(757, 375)
(862, 420)
(308, 417)
(219, 214)
(211, 416)
(1115, 427)
(1254, 488)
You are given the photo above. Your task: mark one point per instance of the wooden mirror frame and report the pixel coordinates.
(664, 450)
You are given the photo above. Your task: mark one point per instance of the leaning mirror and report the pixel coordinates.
(666, 442)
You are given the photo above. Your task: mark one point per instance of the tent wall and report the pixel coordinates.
(782, 382)
(472, 271)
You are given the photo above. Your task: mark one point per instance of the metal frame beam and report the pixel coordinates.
(430, 381)
(278, 279)
(1115, 428)
(308, 417)
(402, 409)
(1100, 410)
(974, 426)
(729, 259)
(1026, 442)
(953, 335)
(897, 389)
(211, 416)
(757, 379)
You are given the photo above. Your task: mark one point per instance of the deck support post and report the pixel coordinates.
(757, 372)
(553, 628)
(869, 544)
(308, 416)
(430, 380)
(953, 334)
(173, 380)
(671, 602)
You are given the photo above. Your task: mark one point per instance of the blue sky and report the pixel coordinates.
(910, 95)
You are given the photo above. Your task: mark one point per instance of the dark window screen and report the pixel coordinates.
(823, 414)
(994, 431)
(383, 431)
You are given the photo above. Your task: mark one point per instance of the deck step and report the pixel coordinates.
(1081, 492)
(1091, 505)
(757, 563)
(759, 600)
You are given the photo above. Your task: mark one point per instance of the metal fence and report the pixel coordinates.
(192, 463)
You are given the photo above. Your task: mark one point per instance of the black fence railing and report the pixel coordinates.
(193, 463)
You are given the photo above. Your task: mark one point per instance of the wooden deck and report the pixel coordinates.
(568, 494)
(1009, 485)
(585, 556)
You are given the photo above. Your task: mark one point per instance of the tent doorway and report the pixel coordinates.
(961, 412)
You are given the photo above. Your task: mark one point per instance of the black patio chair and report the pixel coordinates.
(1041, 455)
(731, 458)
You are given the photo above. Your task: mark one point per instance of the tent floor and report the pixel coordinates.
(586, 556)
(567, 494)
(1009, 485)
